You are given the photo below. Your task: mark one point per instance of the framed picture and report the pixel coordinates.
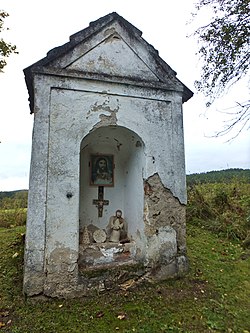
(102, 170)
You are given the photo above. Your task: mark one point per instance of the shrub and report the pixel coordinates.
(220, 207)
(12, 217)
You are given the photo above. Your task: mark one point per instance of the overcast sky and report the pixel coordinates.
(38, 26)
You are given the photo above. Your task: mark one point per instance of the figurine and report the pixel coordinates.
(85, 236)
(117, 227)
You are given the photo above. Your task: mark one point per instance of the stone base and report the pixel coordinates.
(176, 268)
(121, 273)
(110, 277)
(98, 254)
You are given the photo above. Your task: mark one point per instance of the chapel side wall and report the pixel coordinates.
(165, 198)
(179, 162)
(179, 148)
(62, 221)
(153, 121)
(36, 216)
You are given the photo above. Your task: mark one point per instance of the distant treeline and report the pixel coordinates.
(14, 199)
(222, 176)
(11, 194)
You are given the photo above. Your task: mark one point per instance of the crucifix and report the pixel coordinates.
(100, 202)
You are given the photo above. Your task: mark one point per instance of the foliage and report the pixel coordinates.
(213, 297)
(225, 52)
(222, 176)
(6, 49)
(10, 218)
(14, 199)
(221, 207)
(13, 208)
(225, 44)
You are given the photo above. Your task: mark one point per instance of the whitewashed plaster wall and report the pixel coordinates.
(36, 215)
(151, 115)
(74, 114)
(66, 111)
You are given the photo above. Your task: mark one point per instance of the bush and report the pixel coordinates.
(220, 207)
(13, 217)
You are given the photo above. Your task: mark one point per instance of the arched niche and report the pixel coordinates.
(126, 194)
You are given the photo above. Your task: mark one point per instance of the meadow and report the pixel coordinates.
(213, 297)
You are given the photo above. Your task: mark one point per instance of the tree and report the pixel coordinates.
(224, 48)
(6, 49)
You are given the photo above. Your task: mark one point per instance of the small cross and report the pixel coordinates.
(100, 202)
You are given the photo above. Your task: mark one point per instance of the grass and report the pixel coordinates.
(213, 297)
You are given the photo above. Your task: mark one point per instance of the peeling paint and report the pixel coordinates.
(163, 210)
(105, 120)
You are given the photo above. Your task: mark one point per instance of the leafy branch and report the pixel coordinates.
(224, 47)
(6, 49)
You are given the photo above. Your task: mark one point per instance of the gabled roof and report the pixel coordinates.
(96, 52)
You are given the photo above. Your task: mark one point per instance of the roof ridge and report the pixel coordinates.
(99, 24)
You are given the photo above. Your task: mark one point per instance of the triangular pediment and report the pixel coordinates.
(113, 56)
(110, 48)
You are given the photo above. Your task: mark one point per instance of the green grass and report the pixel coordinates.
(213, 297)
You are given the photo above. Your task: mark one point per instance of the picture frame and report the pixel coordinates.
(102, 170)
